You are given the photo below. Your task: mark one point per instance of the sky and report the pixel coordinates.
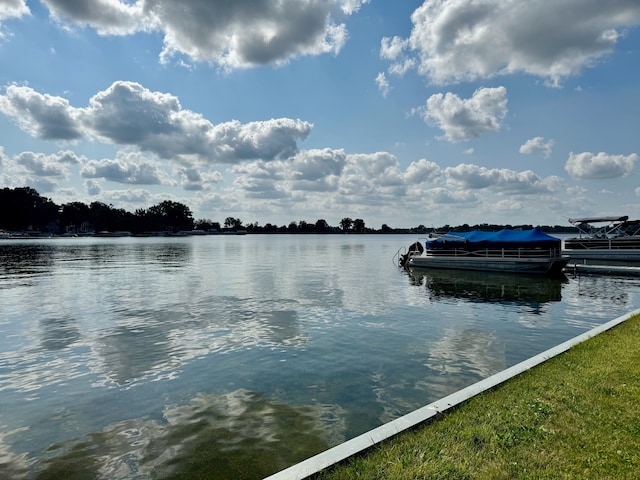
(404, 113)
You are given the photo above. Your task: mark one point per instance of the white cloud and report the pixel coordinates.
(464, 40)
(132, 197)
(13, 9)
(312, 165)
(268, 140)
(107, 17)
(422, 171)
(193, 179)
(598, 166)
(93, 188)
(463, 119)
(383, 84)
(42, 116)
(500, 180)
(129, 114)
(537, 145)
(237, 34)
(127, 167)
(41, 165)
(392, 48)
(441, 195)
(352, 6)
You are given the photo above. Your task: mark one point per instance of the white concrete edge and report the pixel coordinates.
(366, 440)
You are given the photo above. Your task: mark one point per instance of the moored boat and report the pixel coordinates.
(516, 251)
(604, 241)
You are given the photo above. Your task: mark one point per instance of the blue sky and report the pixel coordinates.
(400, 113)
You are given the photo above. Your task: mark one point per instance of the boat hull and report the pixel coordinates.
(545, 266)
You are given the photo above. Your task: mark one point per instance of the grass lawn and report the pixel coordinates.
(576, 416)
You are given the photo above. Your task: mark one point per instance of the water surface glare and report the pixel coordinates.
(237, 356)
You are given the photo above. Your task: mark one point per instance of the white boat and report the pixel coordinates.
(604, 241)
(516, 251)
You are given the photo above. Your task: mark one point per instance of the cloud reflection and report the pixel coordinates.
(239, 434)
(460, 358)
(151, 343)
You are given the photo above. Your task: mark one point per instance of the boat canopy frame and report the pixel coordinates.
(613, 227)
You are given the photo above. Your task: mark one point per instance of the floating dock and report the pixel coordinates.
(578, 268)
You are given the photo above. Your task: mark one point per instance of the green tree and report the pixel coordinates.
(24, 209)
(174, 216)
(346, 224)
(358, 225)
(73, 215)
(233, 223)
(322, 226)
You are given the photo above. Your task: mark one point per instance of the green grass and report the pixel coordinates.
(576, 416)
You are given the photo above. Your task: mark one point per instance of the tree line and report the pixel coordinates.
(23, 209)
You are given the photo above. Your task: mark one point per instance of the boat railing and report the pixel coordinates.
(403, 254)
(496, 253)
(618, 243)
(402, 251)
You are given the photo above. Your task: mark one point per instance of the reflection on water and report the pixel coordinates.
(237, 356)
(237, 435)
(488, 286)
(466, 355)
(58, 333)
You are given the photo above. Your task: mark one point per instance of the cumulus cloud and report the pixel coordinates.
(465, 40)
(269, 140)
(107, 17)
(195, 180)
(351, 178)
(501, 180)
(93, 188)
(127, 167)
(464, 119)
(131, 196)
(422, 171)
(331, 180)
(588, 165)
(13, 9)
(237, 34)
(441, 195)
(316, 170)
(537, 145)
(42, 116)
(317, 164)
(54, 165)
(126, 113)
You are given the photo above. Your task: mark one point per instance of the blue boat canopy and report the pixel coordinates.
(533, 238)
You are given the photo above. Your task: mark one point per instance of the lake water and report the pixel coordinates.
(237, 356)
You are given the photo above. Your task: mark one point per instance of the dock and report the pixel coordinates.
(578, 268)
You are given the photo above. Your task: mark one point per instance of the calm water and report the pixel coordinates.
(237, 356)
